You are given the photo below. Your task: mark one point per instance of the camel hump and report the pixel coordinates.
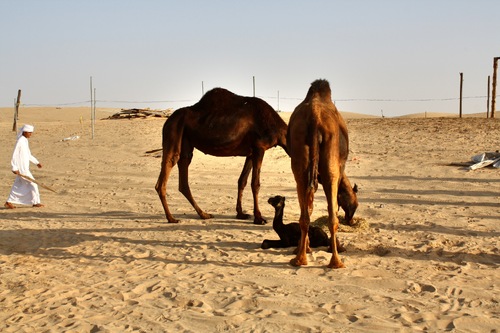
(214, 99)
(320, 88)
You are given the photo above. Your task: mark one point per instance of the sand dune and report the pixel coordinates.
(100, 256)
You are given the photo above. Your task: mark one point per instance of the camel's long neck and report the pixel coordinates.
(282, 142)
(278, 217)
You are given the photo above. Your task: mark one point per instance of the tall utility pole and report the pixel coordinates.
(461, 87)
(494, 86)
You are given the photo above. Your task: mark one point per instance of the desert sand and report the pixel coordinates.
(100, 256)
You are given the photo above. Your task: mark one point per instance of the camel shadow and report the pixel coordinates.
(62, 243)
(431, 228)
(437, 256)
(426, 179)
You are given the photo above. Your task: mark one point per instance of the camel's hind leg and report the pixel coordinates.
(330, 186)
(257, 157)
(183, 165)
(169, 159)
(172, 140)
(306, 196)
(242, 182)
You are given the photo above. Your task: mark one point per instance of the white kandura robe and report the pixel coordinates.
(23, 191)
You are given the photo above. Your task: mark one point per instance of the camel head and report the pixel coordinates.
(348, 200)
(277, 201)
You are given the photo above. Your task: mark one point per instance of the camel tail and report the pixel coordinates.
(314, 160)
(172, 133)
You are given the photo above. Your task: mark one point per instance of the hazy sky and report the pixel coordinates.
(397, 56)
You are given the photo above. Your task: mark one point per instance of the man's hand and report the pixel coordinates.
(39, 165)
(16, 172)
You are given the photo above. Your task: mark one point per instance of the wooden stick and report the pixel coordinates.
(36, 182)
(154, 151)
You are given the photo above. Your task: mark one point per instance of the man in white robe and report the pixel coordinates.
(23, 191)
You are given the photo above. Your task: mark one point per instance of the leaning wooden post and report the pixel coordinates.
(16, 111)
(461, 87)
(494, 86)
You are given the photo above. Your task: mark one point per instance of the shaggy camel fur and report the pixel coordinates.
(290, 233)
(318, 144)
(220, 124)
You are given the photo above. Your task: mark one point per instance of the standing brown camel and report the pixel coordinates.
(318, 144)
(220, 124)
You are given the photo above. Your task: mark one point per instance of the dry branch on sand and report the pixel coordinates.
(140, 113)
(154, 153)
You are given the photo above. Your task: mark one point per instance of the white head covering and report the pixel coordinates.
(25, 128)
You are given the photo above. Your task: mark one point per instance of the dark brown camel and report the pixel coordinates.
(290, 233)
(220, 124)
(318, 144)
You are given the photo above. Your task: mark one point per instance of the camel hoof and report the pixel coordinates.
(173, 221)
(243, 216)
(296, 262)
(260, 221)
(206, 216)
(336, 264)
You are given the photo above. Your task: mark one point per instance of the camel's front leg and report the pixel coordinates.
(335, 262)
(242, 182)
(183, 165)
(257, 158)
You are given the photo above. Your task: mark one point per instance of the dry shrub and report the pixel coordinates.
(360, 224)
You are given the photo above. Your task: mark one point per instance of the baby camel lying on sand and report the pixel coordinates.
(290, 233)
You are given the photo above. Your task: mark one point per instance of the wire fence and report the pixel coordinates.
(395, 100)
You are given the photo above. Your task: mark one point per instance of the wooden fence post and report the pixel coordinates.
(461, 87)
(254, 86)
(488, 100)
(16, 112)
(494, 86)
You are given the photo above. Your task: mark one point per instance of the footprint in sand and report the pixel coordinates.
(452, 301)
(416, 288)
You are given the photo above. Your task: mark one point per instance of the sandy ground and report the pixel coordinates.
(100, 256)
